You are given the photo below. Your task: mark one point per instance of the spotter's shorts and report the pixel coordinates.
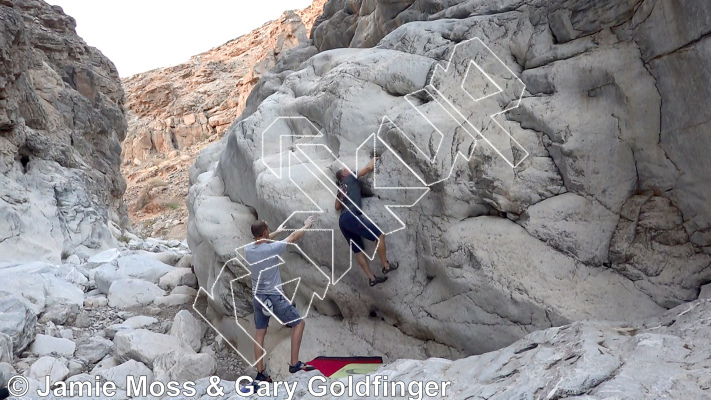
(276, 305)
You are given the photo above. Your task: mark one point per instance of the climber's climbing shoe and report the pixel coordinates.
(378, 280)
(392, 267)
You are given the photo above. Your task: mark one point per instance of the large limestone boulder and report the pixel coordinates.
(60, 314)
(661, 357)
(107, 363)
(215, 230)
(105, 275)
(605, 218)
(104, 257)
(172, 300)
(186, 290)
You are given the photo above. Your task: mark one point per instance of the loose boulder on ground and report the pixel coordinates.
(185, 262)
(95, 301)
(126, 293)
(184, 290)
(178, 277)
(143, 267)
(181, 367)
(17, 321)
(166, 257)
(145, 346)
(6, 372)
(95, 349)
(104, 257)
(46, 345)
(188, 329)
(119, 373)
(6, 353)
(173, 300)
(135, 266)
(50, 367)
(137, 322)
(60, 314)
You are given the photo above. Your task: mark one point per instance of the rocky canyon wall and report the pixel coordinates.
(607, 218)
(61, 127)
(174, 112)
(174, 108)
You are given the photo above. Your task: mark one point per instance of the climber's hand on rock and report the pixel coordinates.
(309, 222)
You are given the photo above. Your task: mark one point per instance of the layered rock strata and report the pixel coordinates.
(61, 127)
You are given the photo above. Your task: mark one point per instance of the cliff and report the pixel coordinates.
(174, 112)
(61, 127)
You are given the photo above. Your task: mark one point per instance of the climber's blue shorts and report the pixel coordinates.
(276, 305)
(355, 228)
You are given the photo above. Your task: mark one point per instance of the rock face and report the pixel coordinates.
(174, 112)
(176, 107)
(17, 322)
(145, 346)
(363, 23)
(664, 357)
(61, 125)
(607, 218)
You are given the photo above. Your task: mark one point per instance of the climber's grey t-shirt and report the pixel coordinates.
(352, 190)
(262, 259)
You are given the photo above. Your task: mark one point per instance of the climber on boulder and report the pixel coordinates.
(262, 256)
(355, 226)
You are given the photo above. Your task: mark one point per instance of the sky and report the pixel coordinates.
(140, 35)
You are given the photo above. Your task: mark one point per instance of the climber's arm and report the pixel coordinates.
(275, 233)
(296, 235)
(367, 169)
(339, 199)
